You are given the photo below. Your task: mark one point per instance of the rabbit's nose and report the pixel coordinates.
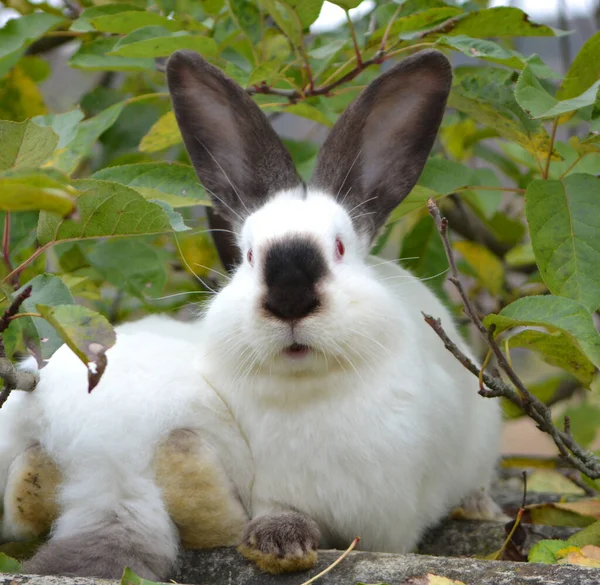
(292, 270)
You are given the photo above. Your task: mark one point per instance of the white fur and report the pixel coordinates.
(377, 432)
(380, 430)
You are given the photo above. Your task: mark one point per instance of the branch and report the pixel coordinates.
(13, 378)
(580, 458)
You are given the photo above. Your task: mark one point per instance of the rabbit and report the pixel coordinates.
(128, 473)
(323, 403)
(359, 421)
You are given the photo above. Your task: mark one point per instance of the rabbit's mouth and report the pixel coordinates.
(296, 350)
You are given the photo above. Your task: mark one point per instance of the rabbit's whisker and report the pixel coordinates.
(189, 267)
(346, 178)
(362, 203)
(226, 276)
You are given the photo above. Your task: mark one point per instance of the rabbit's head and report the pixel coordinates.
(303, 299)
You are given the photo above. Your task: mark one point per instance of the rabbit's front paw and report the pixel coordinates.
(282, 542)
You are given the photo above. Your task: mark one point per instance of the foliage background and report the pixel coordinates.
(102, 213)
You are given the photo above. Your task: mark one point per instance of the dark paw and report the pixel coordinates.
(283, 542)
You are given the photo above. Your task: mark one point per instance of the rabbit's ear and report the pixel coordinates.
(376, 151)
(237, 155)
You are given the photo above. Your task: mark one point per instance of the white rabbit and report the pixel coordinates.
(321, 400)
(359, 421)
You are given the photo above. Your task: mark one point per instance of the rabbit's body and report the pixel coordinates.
(311, 385)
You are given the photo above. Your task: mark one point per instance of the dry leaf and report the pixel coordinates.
(588, 556)
(431, 579)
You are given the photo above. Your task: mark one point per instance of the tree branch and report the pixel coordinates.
(580, 458)
(13, 378)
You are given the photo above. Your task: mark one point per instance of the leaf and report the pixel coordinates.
(130, 578)
(309, 112)
(557, 349)
(48, 290)
(495, 53)
(584, 422)
(173, 183)
(9, 565)
(95, 56)
(125, 22)
(106, 210)
(588, 556)
(65, 125)
(83, 23)
(247, 16)
(545, 551)
(584, 70)
(431, 579)
(551, 481)
(68, 158)
(36, 190)
(20, 97)
(307, 10)
(555, 314)
(416, 199)
(589, 535)
(423, 252)
(486, 266)
(564, 221)
(538, 103)
(18, 33)
(581, 513)
(25, 144)
(88, 334)
(131, 265)
(500, 22)
(346, 4)
(156, 41)
(163, 134)
(286, 19)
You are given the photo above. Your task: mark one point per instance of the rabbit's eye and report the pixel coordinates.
(339, 248)
(250, 257)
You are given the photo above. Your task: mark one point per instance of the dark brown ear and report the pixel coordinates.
(376, 151)
(237, 155)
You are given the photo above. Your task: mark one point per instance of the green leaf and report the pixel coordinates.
(88, 334)
(584, 419)
(173, 183)
(589, 535)
(130, 578)
(48, 290)
(106, 210)
(286, 19)
(307, 10)
(25, 144)
(156, 41)
(95, 56)
(545, 551)
(416, 199)
(20, 96)
(564, 221)
(67, 159)
(423, 253)
(538, 103)
(486, 267)
(36, 190)
(163, 134)
(131, 265)
(9, 565)
(309, 112)
(495, 53)
(346, 4)
(83, 23)
(18, 33)
(500, 22)
(584, 70)
(125, 22)
(557, 349)
(65, 125)
(555, 314)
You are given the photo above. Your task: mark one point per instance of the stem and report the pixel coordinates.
(571, 166)
(388, 28)
(19, 315)
(336, 562)
(359, 61)
(6, 241)
(486, 188)
(549, 158)
(27, 262)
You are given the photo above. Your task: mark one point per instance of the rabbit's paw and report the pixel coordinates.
(281, 542)
(479, 505)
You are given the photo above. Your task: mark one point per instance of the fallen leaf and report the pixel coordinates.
(588, 556)
(431, 579)
(581, 513)
(551, 481)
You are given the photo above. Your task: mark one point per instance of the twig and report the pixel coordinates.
(27, 262)
(571, 166)
(336, 562)
(549, 158)
(6, 241)
(13, 378)
(388, 28)
(359, 62)
(580, 458)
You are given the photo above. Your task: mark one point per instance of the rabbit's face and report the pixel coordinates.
(302, 299)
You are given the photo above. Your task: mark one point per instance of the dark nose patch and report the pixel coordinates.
(293, 267)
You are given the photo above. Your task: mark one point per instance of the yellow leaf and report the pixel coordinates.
(486, 266)
(20, 97)
(551, 481)
(163, 134)
(588, 556)
(431, 579)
